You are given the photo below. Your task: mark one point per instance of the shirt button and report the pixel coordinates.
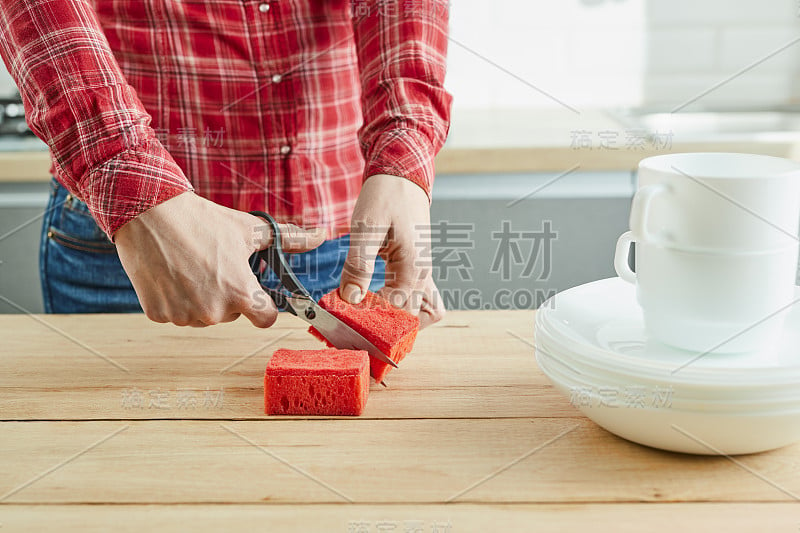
(263, 7)
(276, 78)
(285, 149)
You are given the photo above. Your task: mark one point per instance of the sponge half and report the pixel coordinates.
(316, 382)
(390, 329)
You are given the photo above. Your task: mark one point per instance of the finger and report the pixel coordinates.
(432, 309)
(366, 240)
(400, 298)
(257, 306)
(160, 318)
(230, 317)
(212, 320)
(407, 298)
(182, 320)
(425, 302)
(294, 239)
(407, 271)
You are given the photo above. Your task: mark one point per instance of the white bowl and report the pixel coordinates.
(695, 431)
(676, 395)
(591, 344)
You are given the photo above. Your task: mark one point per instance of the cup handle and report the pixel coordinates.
(621, 256)
(640, 210)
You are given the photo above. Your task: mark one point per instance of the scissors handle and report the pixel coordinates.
(274, 257)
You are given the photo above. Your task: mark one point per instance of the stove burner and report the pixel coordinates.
(12, 118)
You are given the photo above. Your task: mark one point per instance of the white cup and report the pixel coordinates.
(707, 301)
(716, 249)
(717, 201)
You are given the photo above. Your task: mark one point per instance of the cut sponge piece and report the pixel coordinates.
(390, 329)
(316, 382)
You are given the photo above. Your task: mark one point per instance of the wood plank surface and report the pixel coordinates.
(458, 518)
(112, 421)
(62, 367)
(549, 460)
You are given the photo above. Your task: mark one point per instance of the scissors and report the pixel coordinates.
(291, 296)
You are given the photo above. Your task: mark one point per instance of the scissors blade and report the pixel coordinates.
(337, 332)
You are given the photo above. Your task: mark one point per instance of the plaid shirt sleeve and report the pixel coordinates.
(77, 101)
(402, 49)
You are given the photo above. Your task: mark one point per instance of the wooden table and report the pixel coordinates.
(111, 421)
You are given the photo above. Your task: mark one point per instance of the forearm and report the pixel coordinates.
(78, 102)
(402, 60)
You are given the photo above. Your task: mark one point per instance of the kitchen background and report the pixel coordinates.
(555, 102)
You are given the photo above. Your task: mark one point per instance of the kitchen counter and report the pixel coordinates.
(551, 140)
(556, 140)
(112, 421)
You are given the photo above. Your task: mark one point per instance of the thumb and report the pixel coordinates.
(365, 243)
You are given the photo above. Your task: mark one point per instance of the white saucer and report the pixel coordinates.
(603, 320)
(590, 342)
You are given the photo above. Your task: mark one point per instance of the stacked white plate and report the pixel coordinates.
(591, 343)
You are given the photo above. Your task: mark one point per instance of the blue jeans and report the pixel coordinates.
(81, 272)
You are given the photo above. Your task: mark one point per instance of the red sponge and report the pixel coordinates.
(390, 329)
(316, 382)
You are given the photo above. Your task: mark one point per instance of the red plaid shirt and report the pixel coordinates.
(278, 105)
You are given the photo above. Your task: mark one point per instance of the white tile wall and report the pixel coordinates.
(598, 53)
(721, 12)
(741, 46)
(576, 53)
(666, 50)
(669, 91)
